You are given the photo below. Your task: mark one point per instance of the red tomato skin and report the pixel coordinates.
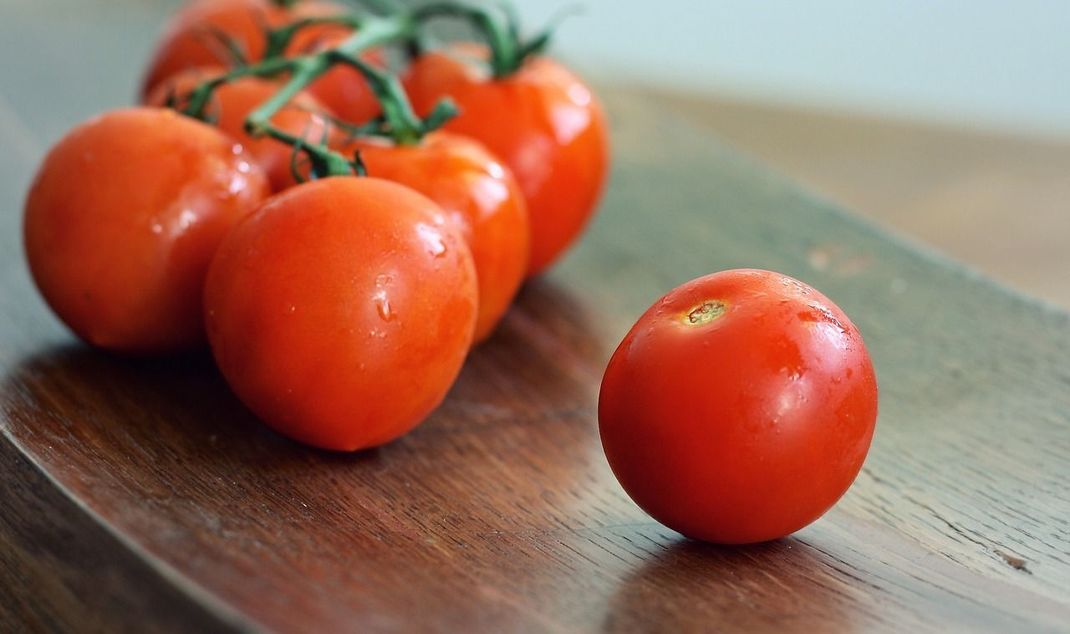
(744, 428)
(342, 310)
(231, 103)
(543, 122)
(186, 41)
(481, 198)
(122, 221)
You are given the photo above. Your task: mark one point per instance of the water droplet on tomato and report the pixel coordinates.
(432, 239)
(382, 306)
(382, 300)
(186, 218)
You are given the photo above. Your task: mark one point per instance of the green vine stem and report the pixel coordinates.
(402, 124)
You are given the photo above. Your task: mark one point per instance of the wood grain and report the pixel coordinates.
(141, 494)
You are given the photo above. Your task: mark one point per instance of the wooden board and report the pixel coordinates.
(140, 495)
(1000, 202)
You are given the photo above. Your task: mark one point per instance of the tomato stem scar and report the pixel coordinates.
(706, 312)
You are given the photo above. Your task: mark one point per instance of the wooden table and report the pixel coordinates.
(141, 496)
(997, 201)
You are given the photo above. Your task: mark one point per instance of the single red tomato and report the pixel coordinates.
(739, 408)
(231, 103)
(543, 122)
(480, 197)
(122, 221)
(190, 38)
(341, 311)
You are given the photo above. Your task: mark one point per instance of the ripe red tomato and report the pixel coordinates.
(739, 408)
(543, 122)
(478, 194)
(188, 40)
(341, 311)
(122, 221)
(232, 103)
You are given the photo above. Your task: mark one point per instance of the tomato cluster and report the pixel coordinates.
(339, 306)
(286, 196)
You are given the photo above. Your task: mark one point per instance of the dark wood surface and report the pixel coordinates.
(140, 495)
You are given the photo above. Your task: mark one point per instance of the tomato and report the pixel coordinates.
(122, 221)
(478, 194)
(543, 122)
(232, 103)
(739, 408)
(188, 40)
(342, 310)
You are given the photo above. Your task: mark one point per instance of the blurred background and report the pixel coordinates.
(947, 121)
(985, 63)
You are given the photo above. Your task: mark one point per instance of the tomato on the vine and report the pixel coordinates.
(192, 37)
(739, 408)
(123, 219)
(480, 197)
(304, 116)
(542, 121)
(341, 311)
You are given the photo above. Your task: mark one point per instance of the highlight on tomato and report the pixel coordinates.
(341, 311)
(123, 218)
(739, 408)
(303, 116)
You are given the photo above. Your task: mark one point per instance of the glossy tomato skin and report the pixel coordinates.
(187, 41)
(480, 197)
(739, 408)
(231, 103)
(543, 122)
(122, 221)
(342, 310)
